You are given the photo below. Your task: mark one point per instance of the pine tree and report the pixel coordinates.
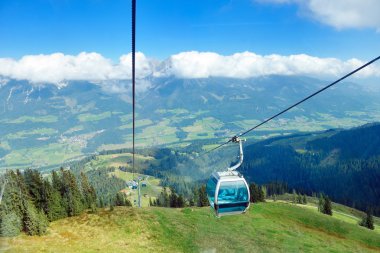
(173, 198)
(367, 221)
(195, 198)
(120, 199)
(203, 200)
(53, 208)
(327, 208)
(101, 203)
(34, 184)
(180, 201)
(10, 224)
(294, 196)
(89, 194)
(34, 221)
(72, 196)
(253, 190)
(261, 196)
(299, 199)
(321, 203)
(304, 200)
(265, 191)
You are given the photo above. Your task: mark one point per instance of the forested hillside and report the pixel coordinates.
(31, 201)
(345, 164)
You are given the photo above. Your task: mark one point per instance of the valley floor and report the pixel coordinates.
(267, 227)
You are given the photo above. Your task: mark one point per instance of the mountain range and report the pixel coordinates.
(46, 125)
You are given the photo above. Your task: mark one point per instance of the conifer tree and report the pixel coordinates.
(321, 203)
(101, 203)
(299, 199)
(180, 201)
(253, 190)
(173, 198)
(120, 199)
(10, 224)
(203, 200)
(53, 207)
(265, 191)
(294, 196)
(261, 196)
(89, 194)
(367, 221)
(304, 200)
(327, 208)
(34, 184)
(34, 221)
(72, 196)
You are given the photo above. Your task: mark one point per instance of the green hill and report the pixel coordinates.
(267, 227)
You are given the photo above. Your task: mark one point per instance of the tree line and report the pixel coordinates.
(170, 198)
(31, 201)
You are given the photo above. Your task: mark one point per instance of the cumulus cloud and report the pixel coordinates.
(244, 65)
(339, 13)
(59, 68)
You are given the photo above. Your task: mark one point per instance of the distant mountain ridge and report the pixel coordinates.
(82, 117)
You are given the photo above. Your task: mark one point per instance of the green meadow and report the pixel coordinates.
(266, 227)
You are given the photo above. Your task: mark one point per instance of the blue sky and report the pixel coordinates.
(166, 27)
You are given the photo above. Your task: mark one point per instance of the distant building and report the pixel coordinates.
(132, 184)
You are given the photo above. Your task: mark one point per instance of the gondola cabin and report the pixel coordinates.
(228, 193)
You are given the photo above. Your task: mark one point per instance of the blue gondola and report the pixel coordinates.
(227, 191)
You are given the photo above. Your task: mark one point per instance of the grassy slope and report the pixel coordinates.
(152, 189)
(267, 227)
(340, 211)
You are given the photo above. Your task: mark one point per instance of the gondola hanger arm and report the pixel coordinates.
(239, 140)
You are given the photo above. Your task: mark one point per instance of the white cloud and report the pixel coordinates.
(59, 68)
(243, 65)
(339, 13)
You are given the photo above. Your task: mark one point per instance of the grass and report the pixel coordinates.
(85, 117)
(172, 111)
(39, 119)
(5, 145)
(38, 131)
(267, 227)
(138, 123)
(152, 189)
(203, 128)
(55, 153)
(117, 160)
(341, 212)
(157, 134)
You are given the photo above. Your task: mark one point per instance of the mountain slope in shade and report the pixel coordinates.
(344, 164)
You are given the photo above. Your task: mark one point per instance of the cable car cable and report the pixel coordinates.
(300, 102)
(133, 83)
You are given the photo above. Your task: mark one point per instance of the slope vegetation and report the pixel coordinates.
(267, 227)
